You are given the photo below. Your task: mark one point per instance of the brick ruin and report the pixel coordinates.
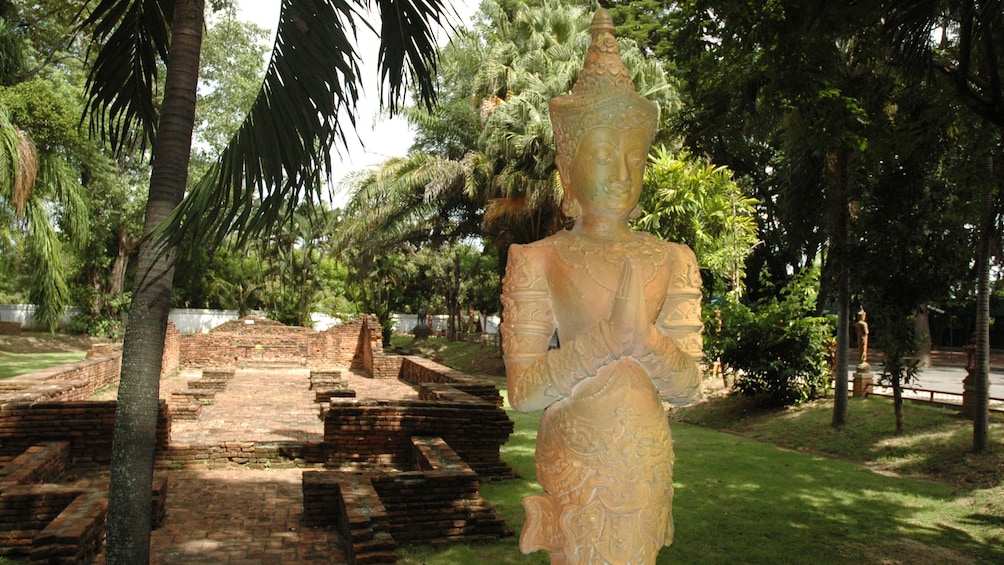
(386, 472)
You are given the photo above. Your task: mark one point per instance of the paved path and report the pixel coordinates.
(240, 516)
(943, 384)
(237, 516)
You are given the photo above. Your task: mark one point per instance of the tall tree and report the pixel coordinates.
(44, 161)
(960, 42)
(911, 206)
(785, 93)
(275, 154)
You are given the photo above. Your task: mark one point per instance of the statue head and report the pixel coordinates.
(603, 115)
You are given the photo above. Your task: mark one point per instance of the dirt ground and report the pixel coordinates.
(43, 342)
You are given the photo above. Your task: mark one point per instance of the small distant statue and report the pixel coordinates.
(861, 328)
(626, 306)
(421, 330)
(421, 315)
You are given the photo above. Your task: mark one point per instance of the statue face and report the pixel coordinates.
(607, 170)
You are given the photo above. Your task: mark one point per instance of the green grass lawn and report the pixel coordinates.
(740, 500)
(12, 364)
(783, 487)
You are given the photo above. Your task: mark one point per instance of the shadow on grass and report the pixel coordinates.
(741, 501)
(937, 443)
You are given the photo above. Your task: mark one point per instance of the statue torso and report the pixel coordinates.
(582, 275)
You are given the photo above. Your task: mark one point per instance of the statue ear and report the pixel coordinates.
(562, 163)
(569, 204)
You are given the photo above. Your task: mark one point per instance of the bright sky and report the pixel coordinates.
(381, 137)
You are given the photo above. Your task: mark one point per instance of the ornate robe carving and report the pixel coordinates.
(604, 451)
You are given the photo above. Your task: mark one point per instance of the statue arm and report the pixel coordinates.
(675, 347)
(535, 375)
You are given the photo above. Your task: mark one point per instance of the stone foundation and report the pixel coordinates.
(87, 425)
(46, 521)
(439, 447)
(435, 503)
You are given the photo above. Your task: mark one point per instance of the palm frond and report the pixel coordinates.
(408, 48)
(49, 290)
(133, 35)
(311, 86)
(909, 25)
(59, 178)
(18, 164)
(25, 173)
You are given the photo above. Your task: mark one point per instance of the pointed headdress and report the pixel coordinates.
(603, 95)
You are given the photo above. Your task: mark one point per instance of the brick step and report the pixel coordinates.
(208, 384)
(41, 463)
(75, 535)
(201, 396)
(325, 395)
(186, 410)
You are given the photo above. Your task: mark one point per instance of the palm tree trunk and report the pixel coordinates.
(981, 370)
(839, 216)
(134, 444)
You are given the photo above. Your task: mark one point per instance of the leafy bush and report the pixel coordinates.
(101, 315)
(777, 352)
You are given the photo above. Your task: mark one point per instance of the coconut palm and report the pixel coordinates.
(305, 107)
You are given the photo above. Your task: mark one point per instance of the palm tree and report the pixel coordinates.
(496, 81)
(31, 182)
(310, 90)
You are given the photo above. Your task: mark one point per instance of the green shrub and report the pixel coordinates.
(777, 352)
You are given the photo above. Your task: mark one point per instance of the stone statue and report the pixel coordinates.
(626, 307)
(422, 330)
(861, 328)
(864, 381)
(421, 315)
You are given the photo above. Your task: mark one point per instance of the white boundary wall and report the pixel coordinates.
(191, 321)
(25, 315)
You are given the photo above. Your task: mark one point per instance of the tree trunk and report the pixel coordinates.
(116, 279)
(453, 300)
(922, 337)
(981, 370)
(94, 280)
(897, 403)
(134, 444)
(839, 216)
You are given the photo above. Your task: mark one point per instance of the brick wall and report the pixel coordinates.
(73, 381)
(378, 433)
(171, 360)
(436, 502)
(38, 464)
(88, 426)
(26, 510)
(266, 343)
(76, 534)
(419, 371)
